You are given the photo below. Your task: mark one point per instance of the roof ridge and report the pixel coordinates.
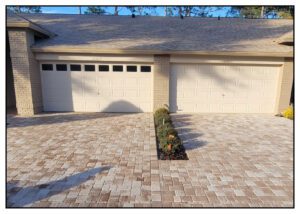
(147, 16)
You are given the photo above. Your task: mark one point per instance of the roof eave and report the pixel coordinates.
(30, 26)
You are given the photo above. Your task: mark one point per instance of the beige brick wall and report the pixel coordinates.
(285, 85)
(27, 81)
(161, 81)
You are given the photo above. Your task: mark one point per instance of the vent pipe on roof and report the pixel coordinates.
(219, 17)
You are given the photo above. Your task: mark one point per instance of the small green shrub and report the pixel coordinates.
(288, 113)
(161, 111)
(164, 130)
(162, 119)
(169, 145)
(161, 116)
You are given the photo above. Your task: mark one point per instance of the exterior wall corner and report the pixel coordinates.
(161, 81)
(27, 81)
(285, 85)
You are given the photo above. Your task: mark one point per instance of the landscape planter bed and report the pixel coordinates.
(169, 145)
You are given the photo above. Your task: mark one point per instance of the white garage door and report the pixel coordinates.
(223, 88)
(96, 87)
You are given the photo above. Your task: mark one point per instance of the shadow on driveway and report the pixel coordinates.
(191, 140)
(20, 196)
(52, 118)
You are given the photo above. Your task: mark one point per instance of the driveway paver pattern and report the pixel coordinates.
(110, 160)
(244, 159)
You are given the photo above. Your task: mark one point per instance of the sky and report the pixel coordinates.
(124, 11)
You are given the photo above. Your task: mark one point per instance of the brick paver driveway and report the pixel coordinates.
(110, 160)
(245, 160)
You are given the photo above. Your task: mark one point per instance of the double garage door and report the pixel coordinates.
(96, 87)
(199, 88)
(223, 88)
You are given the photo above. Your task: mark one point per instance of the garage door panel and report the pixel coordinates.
(242, 84)
(78, 106)
(131, 83)
(200, 107)
(189, 93)
(201, 95)
(59, 106)
(117, 83)
(58, 90)
(223, 88)
(240, 108)
(131, 93)
(144, 83)
(119, 106)
(228, 108)
(186, 107)
(144, 94)
(146, 107)
(215, 108)
(91, 106)
(104, 93)
(203, 84)
(103, 82)
(118, 93)
(97, 91)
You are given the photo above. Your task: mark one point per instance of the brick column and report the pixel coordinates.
(27, 80)
(285, 85)
(161, 81)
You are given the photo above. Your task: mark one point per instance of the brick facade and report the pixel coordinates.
(285, 86)
(161, 81)
(27, 81)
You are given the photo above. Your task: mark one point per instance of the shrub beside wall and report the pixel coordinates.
(169, 144)
(288, 113)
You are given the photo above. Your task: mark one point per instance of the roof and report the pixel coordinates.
(154, 34)
(17, 21)
(287, 37)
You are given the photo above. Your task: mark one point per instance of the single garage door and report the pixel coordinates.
(96, 87)
(223, 88)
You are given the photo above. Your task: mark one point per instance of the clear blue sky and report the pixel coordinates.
(124, 11)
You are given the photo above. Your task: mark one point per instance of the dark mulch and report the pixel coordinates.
(180, 155)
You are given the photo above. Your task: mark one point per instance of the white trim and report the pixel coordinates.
(94, 58)
(227, 60)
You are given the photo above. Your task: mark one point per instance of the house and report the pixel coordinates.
(91, 63)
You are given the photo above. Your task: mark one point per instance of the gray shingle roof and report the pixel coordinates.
(163, 33)
(16, 20)
(12, 17)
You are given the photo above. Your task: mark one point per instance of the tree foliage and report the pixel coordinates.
(200, 11)
(142, 10)
(262, 11)
(185, 11)
(25, 9)
(280, 11)
(96, 10)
